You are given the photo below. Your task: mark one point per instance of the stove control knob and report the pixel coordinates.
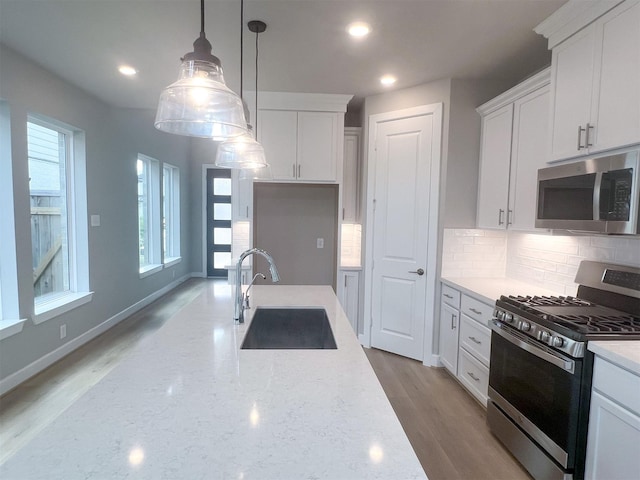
(525, 326)
(499, 314)
(508, 317)
(557, 341)
(544, 336)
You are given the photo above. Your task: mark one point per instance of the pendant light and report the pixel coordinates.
(199, 104)
(244, 152)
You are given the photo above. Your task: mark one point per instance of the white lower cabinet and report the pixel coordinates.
(349, 294)
(613, 445)
(465, 339)
(449, 327)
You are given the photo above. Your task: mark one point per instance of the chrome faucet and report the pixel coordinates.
(238, 315)
(245, 295)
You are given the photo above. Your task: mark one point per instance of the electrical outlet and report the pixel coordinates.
(320, 243)
(63, 331)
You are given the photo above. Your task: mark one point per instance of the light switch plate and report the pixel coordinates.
(95, 220)
(320, 243)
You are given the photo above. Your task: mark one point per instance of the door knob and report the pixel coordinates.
(419, 271)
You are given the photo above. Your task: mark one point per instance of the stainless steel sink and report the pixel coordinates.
(289, 328)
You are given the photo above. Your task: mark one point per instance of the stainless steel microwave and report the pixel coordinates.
(595, 195)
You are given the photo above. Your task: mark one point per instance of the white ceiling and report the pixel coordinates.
(305, 47)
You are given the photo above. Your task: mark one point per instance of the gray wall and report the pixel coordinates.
(289, 218)
(114, 137)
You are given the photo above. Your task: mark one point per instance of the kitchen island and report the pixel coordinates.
(187, 402)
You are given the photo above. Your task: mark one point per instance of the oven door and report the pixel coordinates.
(538, 388)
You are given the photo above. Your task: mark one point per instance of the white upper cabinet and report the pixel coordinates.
(595, 79)
(302, 135)
(278, 134)
(513, 148)
(319, 137)
(351, 174)
(528, 154)
(495, 156)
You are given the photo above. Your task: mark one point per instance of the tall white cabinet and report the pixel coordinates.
(513, 148)
(595, 77)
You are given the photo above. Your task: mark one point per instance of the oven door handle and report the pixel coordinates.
(563, 363)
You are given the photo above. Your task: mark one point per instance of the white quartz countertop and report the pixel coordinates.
(490, 289)
(188, 403)
(625, 354)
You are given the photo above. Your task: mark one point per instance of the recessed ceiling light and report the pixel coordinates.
(388, 80)
(127, 70)
(358, 29)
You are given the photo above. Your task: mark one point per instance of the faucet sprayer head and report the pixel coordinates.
(275, 276)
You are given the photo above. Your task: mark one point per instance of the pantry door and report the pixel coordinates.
(404, 159)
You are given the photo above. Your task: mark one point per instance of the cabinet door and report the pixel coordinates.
(349, 293)
(350, 178)
(529, 153)
(495, 155)
(449, 322)
(242, 197)
(277, 133)
(616, 99)
(613, 445)
(572, 68)
(318, 146)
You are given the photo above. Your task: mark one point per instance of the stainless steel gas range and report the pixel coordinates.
(541, 369)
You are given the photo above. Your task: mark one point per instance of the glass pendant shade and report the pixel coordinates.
(241, 152)
(256, 174)
(199, 104)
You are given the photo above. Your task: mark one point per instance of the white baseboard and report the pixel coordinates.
(435, 361)
(15, 379)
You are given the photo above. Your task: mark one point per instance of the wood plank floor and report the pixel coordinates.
(445, 425)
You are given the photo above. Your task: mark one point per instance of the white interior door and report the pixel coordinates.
(405, 150)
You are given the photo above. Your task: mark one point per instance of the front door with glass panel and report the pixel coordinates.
(218, 222)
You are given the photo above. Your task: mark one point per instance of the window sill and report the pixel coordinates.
(149, 270)
(10, 327)
(170, 261)
(62, 304)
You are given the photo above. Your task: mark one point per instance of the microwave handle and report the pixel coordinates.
(596, 195)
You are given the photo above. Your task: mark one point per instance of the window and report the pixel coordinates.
(219, 221)
(9, 311)
(59, 241)
(149, 235)
(170, 213)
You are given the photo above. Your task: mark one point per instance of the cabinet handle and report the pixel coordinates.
(477, 312)
(580, 130)
(453, 321)
(298, 171)
(447, 295)
(500, 213)
(476, 341)
(294, 170)
(473, 376)
(587, 143)
(343, 214)
(509, 213)
(247, 211)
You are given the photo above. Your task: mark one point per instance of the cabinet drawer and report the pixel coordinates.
(475, 338)
(617, 383)
(450, 296)
(473, 375)
(480, 312)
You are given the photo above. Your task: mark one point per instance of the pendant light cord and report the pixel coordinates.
(256, 129)
(241, 43)
(202, 17)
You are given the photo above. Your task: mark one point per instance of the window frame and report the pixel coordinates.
(171, 253)
(153, 233)
(10, 321)
(49, 306)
